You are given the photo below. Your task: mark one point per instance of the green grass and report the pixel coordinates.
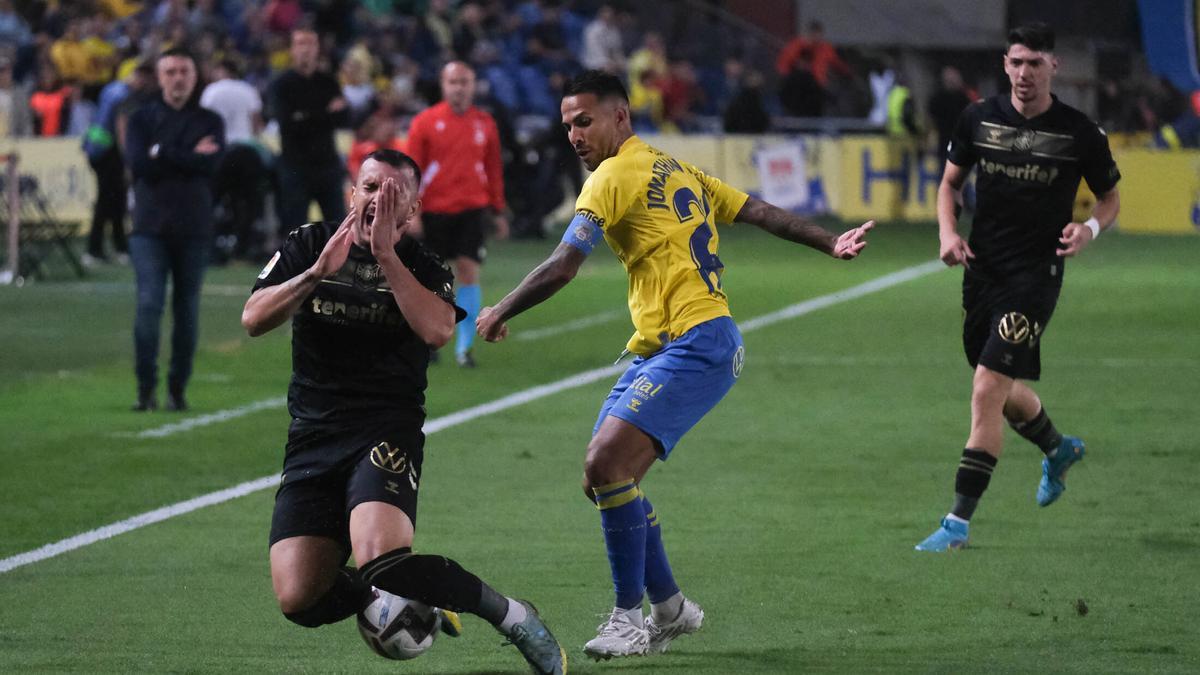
(790, 512)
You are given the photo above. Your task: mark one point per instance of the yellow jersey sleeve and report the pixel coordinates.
(604, 198)
(726, 201)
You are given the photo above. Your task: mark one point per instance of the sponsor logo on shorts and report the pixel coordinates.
(388, 458)
(643, 389)
(739, 360)
(392, 487)
(1016, 328)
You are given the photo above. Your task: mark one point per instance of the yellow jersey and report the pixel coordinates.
(659, 216)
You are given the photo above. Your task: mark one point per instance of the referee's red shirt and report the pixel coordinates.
(459, 156)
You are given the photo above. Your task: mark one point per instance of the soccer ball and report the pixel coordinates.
(398, 628)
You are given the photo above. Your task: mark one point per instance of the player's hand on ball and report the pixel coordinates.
(954, 251)
(1074, 237)
(333, 256)
(489, 327)
(851, 242)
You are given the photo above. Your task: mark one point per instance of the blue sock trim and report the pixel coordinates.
(660, 582)
(470, 298)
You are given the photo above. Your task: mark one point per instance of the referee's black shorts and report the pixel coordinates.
(457, 235)
(1003, 325)
(329, 470)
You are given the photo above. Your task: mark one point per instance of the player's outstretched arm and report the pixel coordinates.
(269, 307)
(786, 225)
(1075, 236)
(544, 281)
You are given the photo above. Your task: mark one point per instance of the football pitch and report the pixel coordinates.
(790, 513)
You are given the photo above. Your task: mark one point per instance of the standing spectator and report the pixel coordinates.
(681, 94)
(308, 105)
(236, 101)
(800, 92)
(378, 132)
(746, 112)
(822, 57)
(458, 149)
(16, 118)
(945, 105)
(104, 156)
(602, 47)
(50, 102)
(173, 146)
(242, 173)
(13, 28)
(357, 89)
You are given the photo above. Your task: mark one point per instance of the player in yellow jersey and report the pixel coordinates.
(659, 216)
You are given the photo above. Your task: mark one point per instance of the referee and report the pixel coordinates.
(458, 149)
(1030, 151)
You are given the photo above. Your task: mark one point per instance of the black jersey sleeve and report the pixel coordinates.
(962, 148)
(297, 254)
(1098, 167)
(435, 274)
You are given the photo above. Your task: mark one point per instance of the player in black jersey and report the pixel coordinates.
(366, 303)
(1029, 151)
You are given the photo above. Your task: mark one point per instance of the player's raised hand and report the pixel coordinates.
(1075, 236)
(385, 229)
(333, 256)
(954, 251)
(489, 327)
(851, 242)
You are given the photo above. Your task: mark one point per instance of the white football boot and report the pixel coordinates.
(687, 621)
(620, 635)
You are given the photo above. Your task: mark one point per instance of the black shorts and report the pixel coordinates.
(328, 471)
(457, 235)
(1003, 325)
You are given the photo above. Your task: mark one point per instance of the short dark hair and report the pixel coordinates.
(181, 52)
(1037, 36)
(602, 84)
(397, 159)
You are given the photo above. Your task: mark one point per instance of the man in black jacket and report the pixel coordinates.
(173, 147)
(308, 105)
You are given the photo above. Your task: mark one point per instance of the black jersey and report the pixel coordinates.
(1027, 176)
(353, 354)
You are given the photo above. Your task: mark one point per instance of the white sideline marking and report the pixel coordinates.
(431, 426)
(212, 418)
(559, 329)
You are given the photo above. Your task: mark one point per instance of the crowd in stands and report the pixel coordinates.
(55, 57)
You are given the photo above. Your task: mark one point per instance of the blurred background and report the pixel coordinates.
(830, 106)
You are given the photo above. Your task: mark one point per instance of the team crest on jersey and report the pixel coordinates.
(270, 266)
(367, 274)
(1023, 142)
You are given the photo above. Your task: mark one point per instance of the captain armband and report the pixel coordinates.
(583, 232)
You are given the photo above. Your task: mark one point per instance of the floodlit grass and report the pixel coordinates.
(790, 512)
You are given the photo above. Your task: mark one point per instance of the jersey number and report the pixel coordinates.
(707, 263)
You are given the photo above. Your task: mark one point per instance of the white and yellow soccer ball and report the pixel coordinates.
(398, 628)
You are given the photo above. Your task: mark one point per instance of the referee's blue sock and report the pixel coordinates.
(470, 298)
(660, 582)
(624, 522)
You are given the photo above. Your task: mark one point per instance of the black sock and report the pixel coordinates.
(1040, 431)
(974, 473)
(435, 581)
(344, 599)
